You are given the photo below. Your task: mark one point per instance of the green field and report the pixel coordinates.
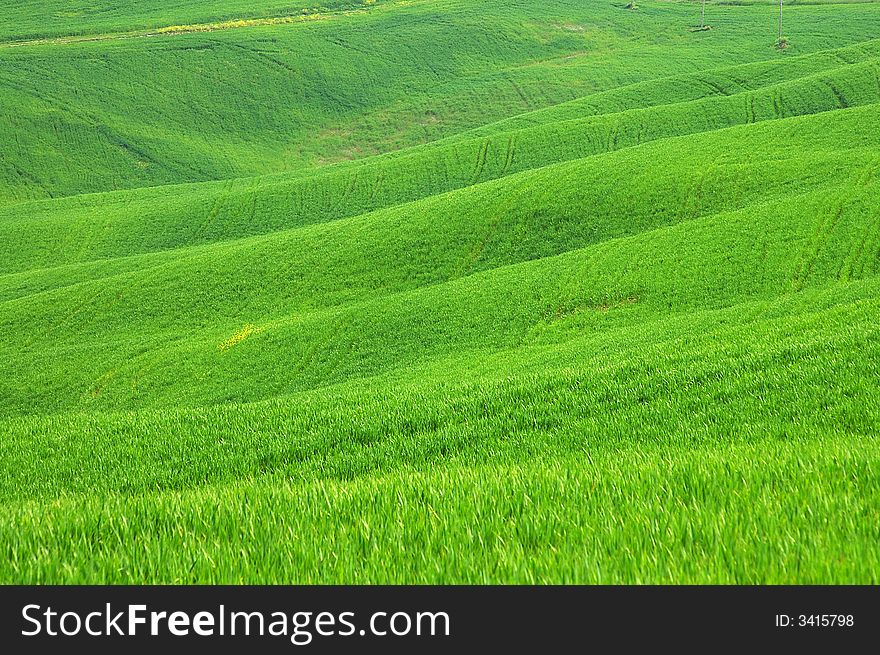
(439, 291)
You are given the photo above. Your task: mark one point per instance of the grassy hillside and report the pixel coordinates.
(65, 18)
(351, 272)
(123, 113)
(103, 226)
(593, 298)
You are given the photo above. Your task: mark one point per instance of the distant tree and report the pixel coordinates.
(780, 21)
(781, 41)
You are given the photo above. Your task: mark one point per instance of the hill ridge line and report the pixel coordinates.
(194, 249)
(282, 177)
(24, 420)
(343, 308)
(483, 131)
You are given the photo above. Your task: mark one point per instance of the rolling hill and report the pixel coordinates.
(439, 292)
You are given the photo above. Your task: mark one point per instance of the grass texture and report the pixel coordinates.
(439, 292)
